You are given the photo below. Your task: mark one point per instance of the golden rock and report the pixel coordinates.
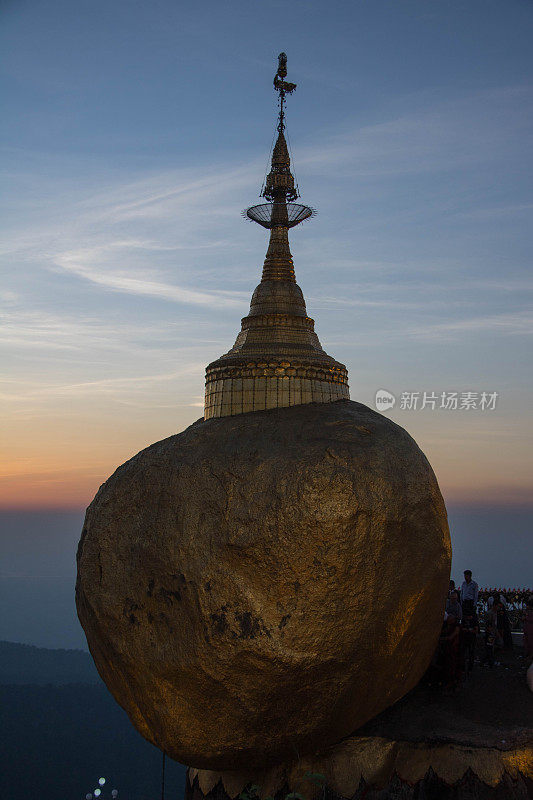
(260, 585)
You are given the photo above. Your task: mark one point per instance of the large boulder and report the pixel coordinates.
(259, 586)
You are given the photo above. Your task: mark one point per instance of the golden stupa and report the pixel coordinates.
(277, 359)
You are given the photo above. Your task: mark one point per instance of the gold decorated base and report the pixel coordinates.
(272, 386)
(372, 767)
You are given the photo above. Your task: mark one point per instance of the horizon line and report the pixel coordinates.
(519, 503)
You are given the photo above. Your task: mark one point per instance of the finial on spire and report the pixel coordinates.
(283, 87)
(279, 187)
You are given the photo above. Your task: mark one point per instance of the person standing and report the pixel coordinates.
(452, 668)
(503, 625)
(469, 632)
(469, 589)
(453, 606)
(527, 622)
(491, 632)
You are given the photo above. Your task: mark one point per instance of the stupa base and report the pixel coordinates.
(374, 768)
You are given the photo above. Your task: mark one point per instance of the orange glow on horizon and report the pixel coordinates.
(58, 457)
(59, 481)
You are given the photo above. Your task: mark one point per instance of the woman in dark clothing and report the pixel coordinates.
(527, 623)
(469, 632)
(491, 632)
(452, 669)
(504, 627)
(453, 606)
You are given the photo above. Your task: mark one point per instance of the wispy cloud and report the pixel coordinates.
(110, 385)
(54, 331)
(519, 324)
(495, 212)
(83, 263)
(171, 193)
(454, 133)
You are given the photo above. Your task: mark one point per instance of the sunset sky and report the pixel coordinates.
(133, 134)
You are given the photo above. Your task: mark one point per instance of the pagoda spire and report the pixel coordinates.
(281, 213)
(279, 184)
(277, 359)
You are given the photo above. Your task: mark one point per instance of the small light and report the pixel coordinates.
(88, 796)
(97, 792)
(101, 781)
(114, 793)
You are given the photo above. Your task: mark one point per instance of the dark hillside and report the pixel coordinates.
(58, 740)
(60, 736)
(22, 663)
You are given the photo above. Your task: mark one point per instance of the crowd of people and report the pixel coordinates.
(467, 616)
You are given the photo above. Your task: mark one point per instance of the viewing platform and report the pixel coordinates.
(476, 742)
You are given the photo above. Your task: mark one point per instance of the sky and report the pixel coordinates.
(133, 135)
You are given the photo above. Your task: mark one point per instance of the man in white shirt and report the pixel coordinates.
(469, 589)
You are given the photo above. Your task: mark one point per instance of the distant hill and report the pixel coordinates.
(62, 730)
(24, 664)
(58, 740)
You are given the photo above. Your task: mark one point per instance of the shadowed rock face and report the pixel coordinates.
(259, 586)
